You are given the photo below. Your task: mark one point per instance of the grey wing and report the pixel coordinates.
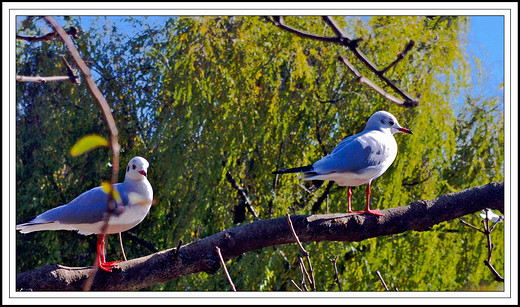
(343, 143)
(87, 208)
(352, 156)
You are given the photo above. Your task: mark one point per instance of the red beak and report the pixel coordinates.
(404, 130)
(142, 173)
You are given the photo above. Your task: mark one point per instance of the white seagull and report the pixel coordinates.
(358, 159)
(87, 213)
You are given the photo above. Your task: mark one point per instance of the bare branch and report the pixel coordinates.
(241, 192)
(342, 39)
(225, 268)
(38, 79)
(278, 21)
(336, 274)
(72, 76)
(292, 281)
(368, 82)
(103, 104)
(200, 255)
(73, 31)
(304, 252)
(487, 232)
(112, 206)
(382, 280)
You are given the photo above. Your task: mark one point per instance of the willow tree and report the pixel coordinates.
(221, 102)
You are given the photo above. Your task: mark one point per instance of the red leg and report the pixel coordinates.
(367, 209)
(102, 264)
(349, 203)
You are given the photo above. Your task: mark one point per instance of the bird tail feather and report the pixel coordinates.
(301, 169)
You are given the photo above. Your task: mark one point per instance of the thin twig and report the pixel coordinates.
(305, 272)
(292, 281)
(122, 248)
(382, 280)
(368, 82)
(177, 250)
(309, 275)
(241, 192)
(225, 269)
(73, 31)
(400, 56)
(469, 225)
(336, 274)
(487, 232)
(305, 253)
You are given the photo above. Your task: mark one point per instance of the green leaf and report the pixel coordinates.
(88, 143)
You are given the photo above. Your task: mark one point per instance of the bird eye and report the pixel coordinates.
(133, 166)
(391, 123)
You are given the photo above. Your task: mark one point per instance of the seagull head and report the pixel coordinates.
(385, 122)
(137, 169)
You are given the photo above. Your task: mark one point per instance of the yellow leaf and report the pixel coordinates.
(106, 187)
(87, 143)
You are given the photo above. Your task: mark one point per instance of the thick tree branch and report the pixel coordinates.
(200, 255)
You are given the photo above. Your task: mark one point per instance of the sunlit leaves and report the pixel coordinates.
(203, 96)
(88, 143)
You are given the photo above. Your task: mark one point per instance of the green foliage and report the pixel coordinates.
(203, 96)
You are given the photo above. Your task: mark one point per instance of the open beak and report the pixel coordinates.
(404, 130)
(142, 173)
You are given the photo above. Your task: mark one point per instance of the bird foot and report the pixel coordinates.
(108, 266)
(372, 212)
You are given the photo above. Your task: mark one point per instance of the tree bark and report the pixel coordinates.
(200, 256)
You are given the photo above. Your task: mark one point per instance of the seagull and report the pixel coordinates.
(359, 158)
(88, 213)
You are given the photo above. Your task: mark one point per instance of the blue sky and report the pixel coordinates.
(486, 41)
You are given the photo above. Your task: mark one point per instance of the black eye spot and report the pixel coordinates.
(391, 123)
(128, 168)
(382, 121)
(133, 166)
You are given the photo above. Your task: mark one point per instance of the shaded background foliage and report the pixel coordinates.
(202, 97)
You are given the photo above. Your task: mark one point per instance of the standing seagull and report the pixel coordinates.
(87, 212)
(358, 159)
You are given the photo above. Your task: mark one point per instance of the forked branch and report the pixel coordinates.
(342, 39)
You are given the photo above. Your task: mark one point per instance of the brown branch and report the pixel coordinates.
(241, 192)
(310, 273)
(200, 256)
(72, 76)
(369, 83)
(225, 268)
(112, 206)
(278, 21)
(73, 31)
(336, 274)
(487, 232)
(342, 39)
(103, 104)
(292, 281)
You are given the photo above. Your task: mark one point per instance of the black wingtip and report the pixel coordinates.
(301, 169)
